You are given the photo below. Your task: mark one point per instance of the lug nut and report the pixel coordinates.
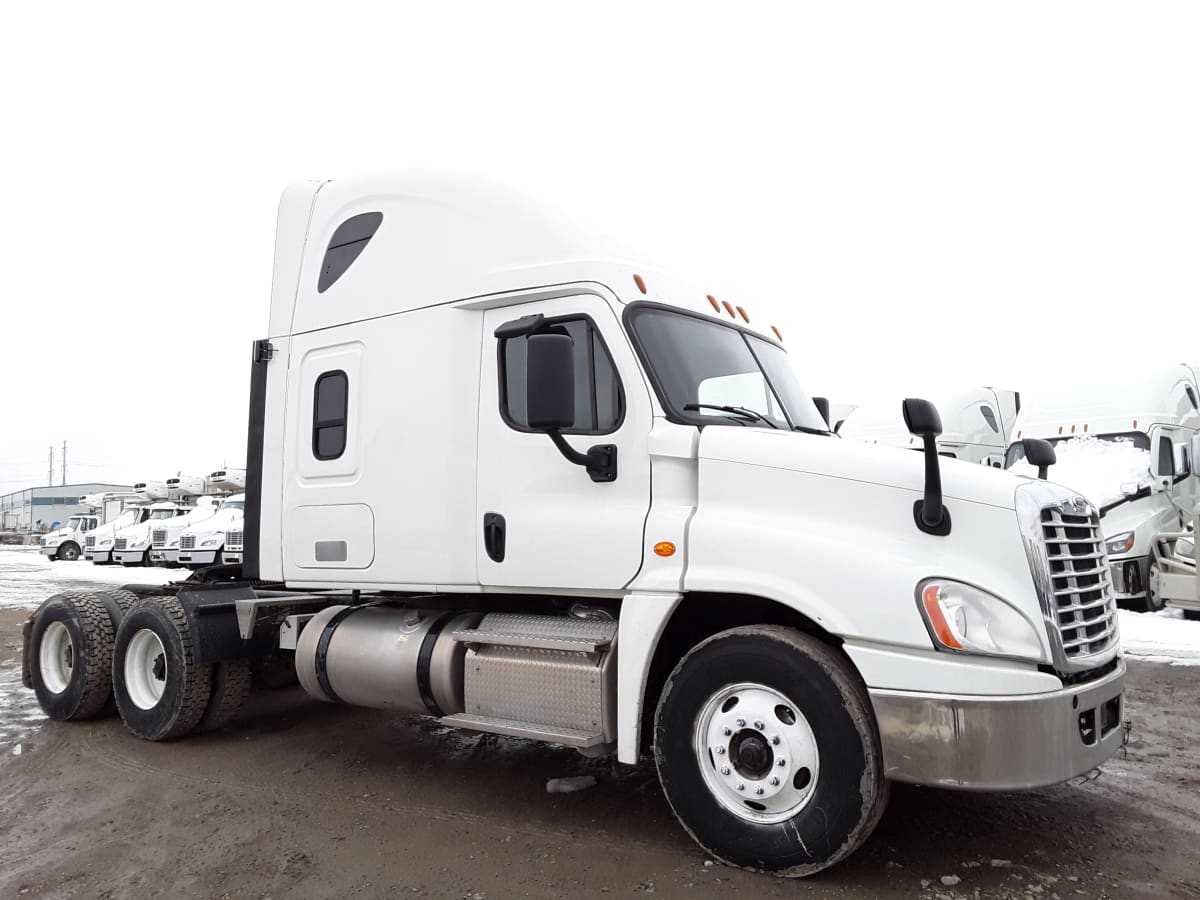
(727, 731)
(724, 770)
(758, 790)
(740, 786)
(774, 781)
(759, 725)
(741, 723)
(781, 762)
(775, 739)
(720, 751)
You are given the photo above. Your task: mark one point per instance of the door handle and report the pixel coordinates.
(493, 536)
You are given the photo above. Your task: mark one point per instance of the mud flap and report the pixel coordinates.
(26, 673)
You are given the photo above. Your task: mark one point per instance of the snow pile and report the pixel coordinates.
(19, 712)
(1164, 637)
(27, 578)
(1096, 468)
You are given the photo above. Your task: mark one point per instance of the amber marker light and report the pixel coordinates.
(729, 309)
(742, 313)
(638, 280)
(664, 548)
(929, 599)
(715, 305)
(777, 334)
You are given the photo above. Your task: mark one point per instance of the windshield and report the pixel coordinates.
(693, 360)
(126, 518)
(233, 504)
(1102, 467)
(156, 514)
(75, 523)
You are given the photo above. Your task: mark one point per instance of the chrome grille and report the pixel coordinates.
(187, 542)
(89, 542)
(233, 540)
(1085, 608)
(158, 537)
(121, 543)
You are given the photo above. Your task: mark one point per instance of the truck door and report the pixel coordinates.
(541, 521)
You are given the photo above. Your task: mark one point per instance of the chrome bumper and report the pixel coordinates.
(990, 743)
(1130, 577)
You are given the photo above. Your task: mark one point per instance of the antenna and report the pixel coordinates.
(50, 477)
(64, 464)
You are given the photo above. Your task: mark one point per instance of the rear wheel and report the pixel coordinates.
(230, 688)
(161, 689)
(70, 654)
(768, 752)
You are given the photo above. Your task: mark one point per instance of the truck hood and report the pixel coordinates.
(834, 457)
(218, 523)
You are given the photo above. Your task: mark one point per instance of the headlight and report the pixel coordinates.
(173, 544)
(212, 542)
(105, 542)
(964, 619)
(1119, 543)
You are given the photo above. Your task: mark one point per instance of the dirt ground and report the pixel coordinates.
(303, 799)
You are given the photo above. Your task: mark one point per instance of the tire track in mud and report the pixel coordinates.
(94, 746)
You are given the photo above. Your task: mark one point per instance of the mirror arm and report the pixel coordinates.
(600, 460)
(931, 516)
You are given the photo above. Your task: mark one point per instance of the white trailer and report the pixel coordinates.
(1130, 448)
(500, 475)
(977, 424)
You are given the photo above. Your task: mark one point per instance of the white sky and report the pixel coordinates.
(920, 195)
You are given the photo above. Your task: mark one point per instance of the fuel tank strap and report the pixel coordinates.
(322, 654)
(424, 664)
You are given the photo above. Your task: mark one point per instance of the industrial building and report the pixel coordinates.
(42, 508)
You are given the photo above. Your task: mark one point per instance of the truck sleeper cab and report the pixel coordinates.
(500, 475)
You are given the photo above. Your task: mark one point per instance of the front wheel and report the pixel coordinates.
(768, 752)
(68, 551)
(1153, 600)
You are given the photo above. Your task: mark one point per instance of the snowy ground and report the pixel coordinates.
(27, 578)
(1164, 637)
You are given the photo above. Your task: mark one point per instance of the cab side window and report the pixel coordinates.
(330, 399)
(599, 399)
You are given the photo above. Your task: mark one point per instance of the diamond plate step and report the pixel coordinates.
(515, 728)
(541, 632)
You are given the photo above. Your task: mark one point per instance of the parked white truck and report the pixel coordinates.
(71, 541)
(488, 482)
(201, 542)
(1130, 448)
(977, 424)
(132, 544)
(165, 533)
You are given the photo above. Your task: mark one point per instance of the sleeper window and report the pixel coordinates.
(330, 399)
(599, 403)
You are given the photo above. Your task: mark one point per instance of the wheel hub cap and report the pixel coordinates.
(757, 752)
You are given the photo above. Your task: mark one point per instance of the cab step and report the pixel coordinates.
(541, 632)
(568, 737)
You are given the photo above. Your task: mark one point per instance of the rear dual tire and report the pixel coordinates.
(70, 656)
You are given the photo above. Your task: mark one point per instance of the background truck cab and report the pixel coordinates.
(68, 542)
(976, 424)
(1130, 448)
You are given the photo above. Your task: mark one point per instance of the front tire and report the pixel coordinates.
(161, 689)
(70, 652)
(792, 782)
(1153, 600)
(68, 552)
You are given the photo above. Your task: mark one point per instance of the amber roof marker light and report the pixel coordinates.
(777, 333)
(640, 282)
(742, 313)
(715, 305)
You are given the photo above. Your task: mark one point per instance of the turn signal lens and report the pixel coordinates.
(713, 301)
(641, 284)
(664, 548)
(930, 599)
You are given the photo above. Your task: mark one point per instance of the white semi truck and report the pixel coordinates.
(165, 534)
(132, 545)
(1131, 449)
(977, 424)
(70, 541)
(201, 543)
(561, 533)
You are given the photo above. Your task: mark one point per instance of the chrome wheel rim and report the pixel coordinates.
(56, 657)
(145, 669)
(757, 753)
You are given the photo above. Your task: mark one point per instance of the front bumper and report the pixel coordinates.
(198, 557)
(130, 557)
(165, 556)
(99, 557)
(49, 551)
(1001, 743)
(231, 557)
(1130, 577)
